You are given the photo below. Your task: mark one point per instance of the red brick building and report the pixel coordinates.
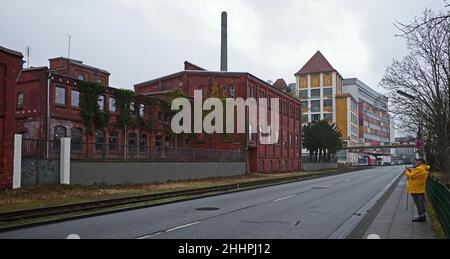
(46, 105)
(10, 67)
(283, 156)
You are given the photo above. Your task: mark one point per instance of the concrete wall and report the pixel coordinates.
(110, 173)
(318, 166)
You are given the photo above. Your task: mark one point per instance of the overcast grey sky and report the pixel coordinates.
(138, 40)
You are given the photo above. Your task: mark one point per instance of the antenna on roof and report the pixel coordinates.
(68, 50)
(28, 56)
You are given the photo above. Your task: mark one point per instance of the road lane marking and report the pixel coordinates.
(73, 236)
(348, 180)
(149, 236)
(285, 198)
(322, 187)
(183, 226)
(373, 236)
(168, 230)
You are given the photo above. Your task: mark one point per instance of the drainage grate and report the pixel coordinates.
(208, 209)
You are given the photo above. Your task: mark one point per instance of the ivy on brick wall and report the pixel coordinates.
(126, 102)
(124, 98)
(89, 108)
(141, 121)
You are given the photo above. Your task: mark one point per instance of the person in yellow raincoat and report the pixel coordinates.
(417, 181)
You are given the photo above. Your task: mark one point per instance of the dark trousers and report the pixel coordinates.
(419, 200)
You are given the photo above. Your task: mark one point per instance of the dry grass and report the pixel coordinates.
(44, 196)
(436, 225)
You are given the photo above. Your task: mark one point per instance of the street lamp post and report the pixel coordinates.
(419, 141)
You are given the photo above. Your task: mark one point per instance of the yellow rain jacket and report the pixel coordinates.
(417, 179)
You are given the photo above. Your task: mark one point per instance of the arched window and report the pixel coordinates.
(132, 142)
(58, 133)
(232, 91)
(113, 141)
(80, 77)
(99, 141)
(76, 135)
(20, 101)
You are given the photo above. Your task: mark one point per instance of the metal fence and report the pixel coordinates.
(440, 200)
(306, 159)
(50, 149)
(96, 151)
(40, 148)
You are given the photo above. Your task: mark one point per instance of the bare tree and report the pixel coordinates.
(424, 75)
(409, 28)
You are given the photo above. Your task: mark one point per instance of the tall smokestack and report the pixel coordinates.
(224, 44)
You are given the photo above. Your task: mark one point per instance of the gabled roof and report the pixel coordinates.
(317, 64)
(191, 66)
(280, 83)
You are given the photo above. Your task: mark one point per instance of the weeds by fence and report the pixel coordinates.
(440, 200)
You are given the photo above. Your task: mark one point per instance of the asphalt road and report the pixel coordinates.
(308, 209)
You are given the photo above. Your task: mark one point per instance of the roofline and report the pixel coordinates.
(316, 72)
(78, 61)
(12, 52)
(81, 64)
(137, 86)
(361, 84)
(34, 69)
(76, 79)
(192, 64)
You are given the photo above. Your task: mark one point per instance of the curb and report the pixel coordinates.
(347, 229)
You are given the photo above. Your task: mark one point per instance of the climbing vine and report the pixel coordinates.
(124, 98)
(89, 107)
(128, 104)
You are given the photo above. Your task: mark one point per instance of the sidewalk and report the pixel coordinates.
(394, 221)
